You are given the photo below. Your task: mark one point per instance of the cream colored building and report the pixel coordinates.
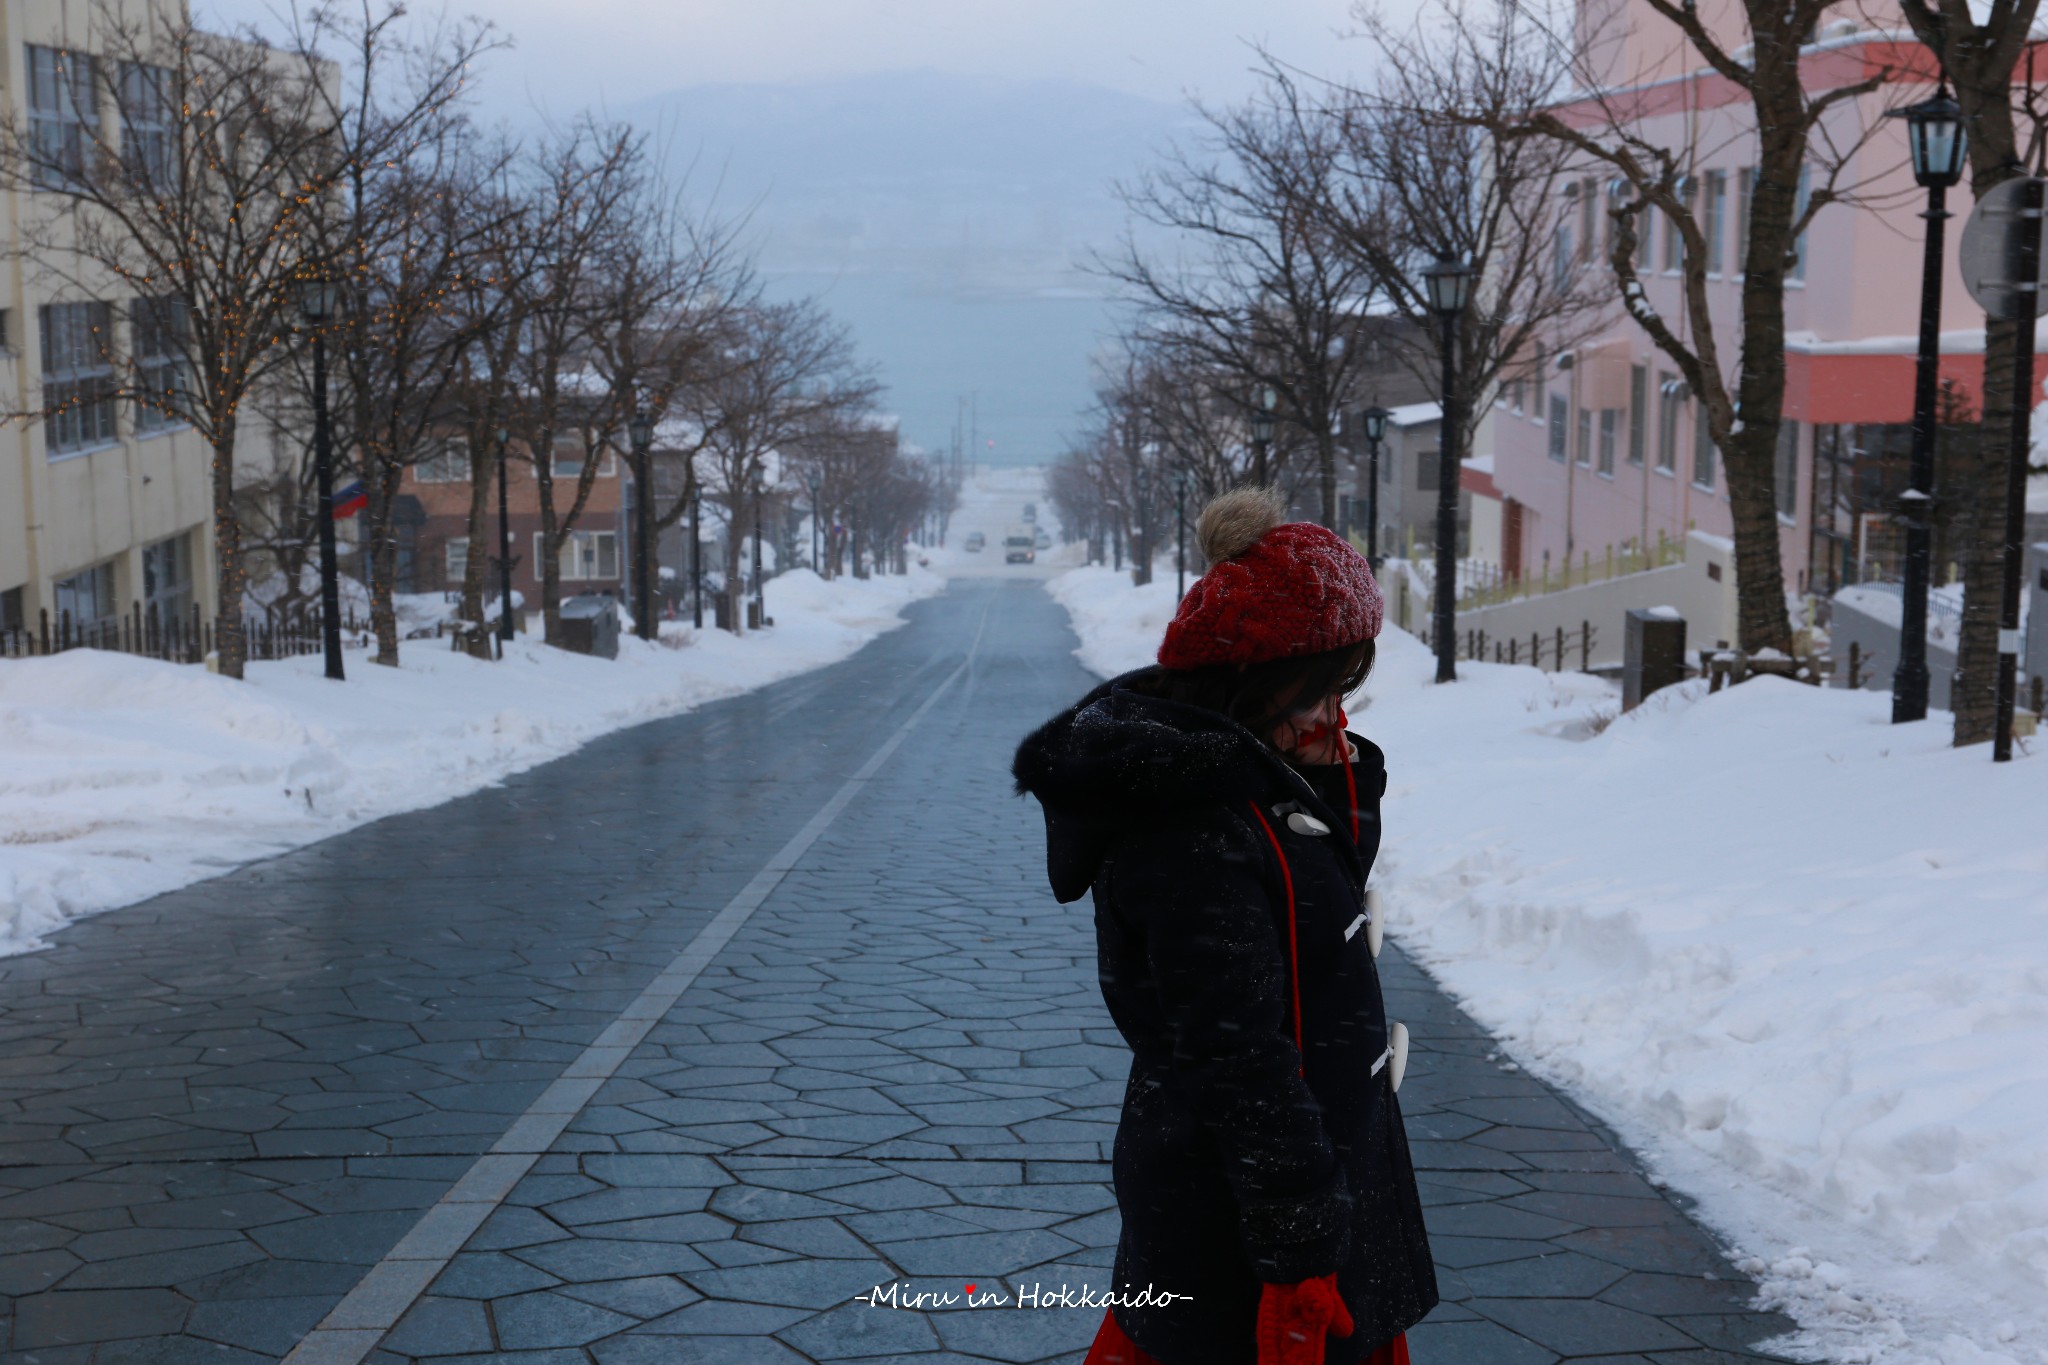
(106, 508)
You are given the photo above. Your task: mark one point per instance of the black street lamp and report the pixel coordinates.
(1934, 129)
(1374, 420)
(1141, 551)
(1449, 283)
(1180, 532)
(504, 544)
(640, 429)
(1264, 400)
(319, 301)
(697, 555)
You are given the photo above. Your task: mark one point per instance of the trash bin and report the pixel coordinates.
(590, 625)
(1653, 653)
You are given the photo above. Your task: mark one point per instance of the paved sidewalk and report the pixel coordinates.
(220, 1109)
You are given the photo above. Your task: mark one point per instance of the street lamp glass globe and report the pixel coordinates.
(1448, 281)
(319, 298)
(1375, 419)
(1262, 425)
(1934, 133)
(641, 430)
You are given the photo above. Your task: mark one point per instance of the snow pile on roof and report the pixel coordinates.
(1796, 955)
(122, 777)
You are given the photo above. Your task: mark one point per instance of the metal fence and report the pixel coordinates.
(175, 637)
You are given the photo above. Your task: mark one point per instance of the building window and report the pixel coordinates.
(13, 611)
(457, 551)
(87, 597)
(1703, 449)
(1799, 204)
(1585, 436)
(1671, 391)
(78, 376)
(1425, 471)
(587, 556)
(449, 463)
(162, 334)
(1638, 412)
(149, 126)
(1386, 463)
(1714, 209)
(1646, 239)
(1558, 419)
(1610, 422)
(167, 579)
(63, 115)
(1542, 377)
(1786, 468)
(1561, 250)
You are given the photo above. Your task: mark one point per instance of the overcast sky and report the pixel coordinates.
(569, 55)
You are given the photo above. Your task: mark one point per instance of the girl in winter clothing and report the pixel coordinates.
(1225, 821)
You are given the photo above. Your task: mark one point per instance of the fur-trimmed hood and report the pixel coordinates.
(1120, 757)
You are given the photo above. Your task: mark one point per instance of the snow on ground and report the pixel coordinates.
(122, 777)
(1796, 955)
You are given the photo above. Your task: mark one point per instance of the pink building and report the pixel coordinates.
(1602, 449)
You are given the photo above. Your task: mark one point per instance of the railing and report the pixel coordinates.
(1936, 606)
(183, 638)
(1536, 649)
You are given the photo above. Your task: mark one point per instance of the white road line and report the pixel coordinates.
(356, 1324)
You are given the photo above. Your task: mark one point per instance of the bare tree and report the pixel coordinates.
(1979, 57)
(1796, 138)
(581, 180)
(1271, 293)
(779, 372)
(1421, 178)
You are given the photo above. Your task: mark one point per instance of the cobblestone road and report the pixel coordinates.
(667, 1050)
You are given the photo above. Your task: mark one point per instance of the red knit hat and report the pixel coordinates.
(1273, 590)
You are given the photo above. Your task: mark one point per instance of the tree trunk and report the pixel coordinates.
(1978, 55)
(481, 532)
(1981, 509)
(230, 641)
(383, 490)
(735, 594)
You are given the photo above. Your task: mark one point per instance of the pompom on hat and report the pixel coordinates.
(1274, 589)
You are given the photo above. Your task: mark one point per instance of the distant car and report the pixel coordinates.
(976, 541)
(1017, 546)
(1041, 540)
(1031, 511)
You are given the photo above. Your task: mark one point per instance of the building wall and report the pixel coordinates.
(1852, 320)
(67, 511)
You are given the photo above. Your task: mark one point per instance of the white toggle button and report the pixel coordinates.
(1303, 823)
(1375, 920)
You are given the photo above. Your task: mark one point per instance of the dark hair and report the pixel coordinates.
(1259, 696)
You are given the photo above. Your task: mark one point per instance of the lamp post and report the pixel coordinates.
(697, 555)
(640, 429)
(1448, 281)
(504, 544)
(1934, 130)
(1180, 533)
(319, 301)
(1375, 421)
(1263, 402)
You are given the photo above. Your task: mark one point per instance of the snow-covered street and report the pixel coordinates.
(123, 777)
(1796, 955)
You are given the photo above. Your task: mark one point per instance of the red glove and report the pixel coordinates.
(1294, 1319)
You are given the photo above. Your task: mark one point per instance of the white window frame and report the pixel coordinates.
(583, 556)
(158, 332)
(448, 464)
(63, 113)
(1713, 210)
(77, 377)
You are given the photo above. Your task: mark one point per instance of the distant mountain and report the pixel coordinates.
(919, 170)
(947, 219)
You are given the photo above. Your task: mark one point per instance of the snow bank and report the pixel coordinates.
(1798, 956)
(1120, 626)
(121, 777)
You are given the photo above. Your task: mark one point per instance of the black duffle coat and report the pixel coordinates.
(1241, 1158)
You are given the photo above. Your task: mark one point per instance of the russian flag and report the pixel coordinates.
(350, 500)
